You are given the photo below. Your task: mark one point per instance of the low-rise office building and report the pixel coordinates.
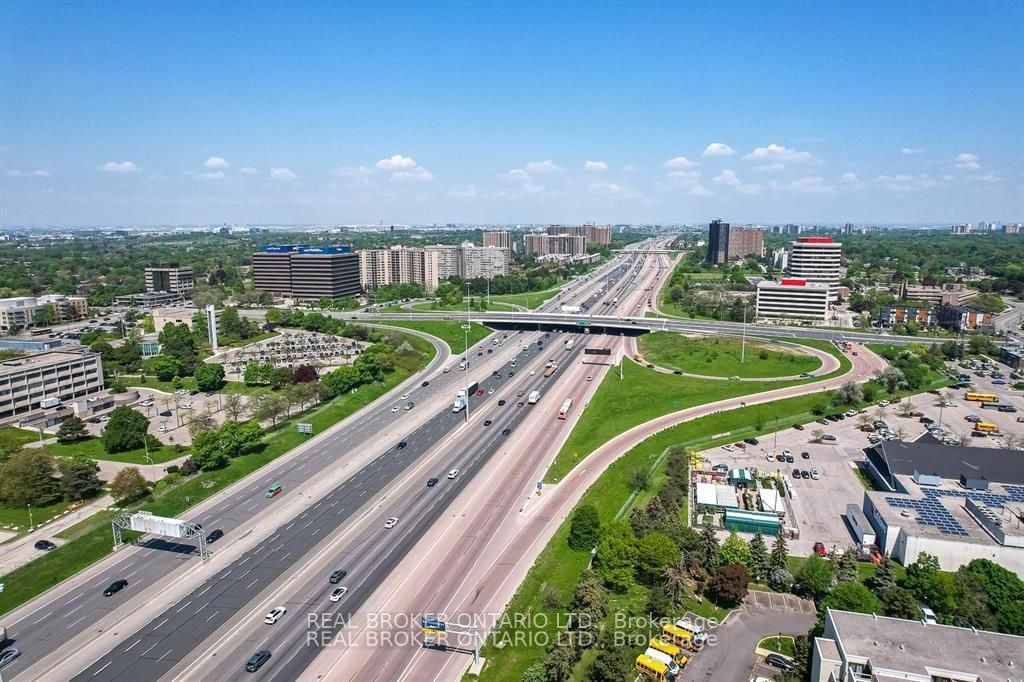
(889, 315)
(792, 299)
(26, 382)
(307, 273)
(23, 312)
(170, 278)
(174, 315)
(862, 647)
(953, 502)
(951, 293)
(150, 299)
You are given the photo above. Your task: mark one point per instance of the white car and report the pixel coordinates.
(533, 372)
(815, 475)
(787, 453)
(392, 522)
(452, 474)
(394, 409)
(146, 403)
(405, 396)
(883, 403)
(590, 378)
(728, 448)
(447, 369)
(338, 593)
(490, 391)
(162, 429)
(275, 615)
(769, 457)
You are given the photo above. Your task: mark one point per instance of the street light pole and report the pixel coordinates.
(31, 525)
(743, 344)
(467, 352)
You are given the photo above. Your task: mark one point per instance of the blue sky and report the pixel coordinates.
(122, 113)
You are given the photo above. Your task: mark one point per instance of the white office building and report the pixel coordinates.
(27, 381)
(818, 260)
(792, 298)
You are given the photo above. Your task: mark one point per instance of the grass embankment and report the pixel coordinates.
(12, 518)
(92, 447)
(720, 356)
(478, 304)
(529, 300)
(645, 394)
(12, 438)
(189, 384)
(451, 332)
(91, 540)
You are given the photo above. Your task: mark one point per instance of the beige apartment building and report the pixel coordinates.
(21, 312)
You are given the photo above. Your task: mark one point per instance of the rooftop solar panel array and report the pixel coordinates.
(931, 512)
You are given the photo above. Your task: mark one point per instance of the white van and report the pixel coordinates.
(453, 474)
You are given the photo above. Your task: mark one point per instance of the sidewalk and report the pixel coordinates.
(19, 552)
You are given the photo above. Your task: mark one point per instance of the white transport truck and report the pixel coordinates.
(534, 397)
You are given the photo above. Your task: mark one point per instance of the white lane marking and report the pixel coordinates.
(159, 625)
(254, 581)
(148, 650)
(212, 615)
(76, 622)
(43, 618)
(132, 646)
(102, 669)
(184, 606)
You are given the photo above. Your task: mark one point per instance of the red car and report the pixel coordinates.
(819, 549)
(479, 391)
(741, 446)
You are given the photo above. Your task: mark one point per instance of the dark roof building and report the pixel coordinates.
(929, 457)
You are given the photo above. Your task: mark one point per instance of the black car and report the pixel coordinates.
(519, 404)
(806, 474)
(506, 432)
(750, 441)
(832, 417)
(511, 373)
(337, 576)
(401, 445)
(823, 422)
(425, 384)
(215, 534)
(487, 422)
(431, 482)
(257, 660)
(805, 455)
(489, 351)
(796, 474)
(789, 459)
(115, 587)
(778, 661)
(45, 545)
(500, 403)
(480, 353)
(798, 427)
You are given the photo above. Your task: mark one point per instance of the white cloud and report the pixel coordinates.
(123, 167)
(909, 183)
(629, 168)
(770, 168)
(396, 162)
(546, 166)
(532, 188)
(967, 161)
(987, 177)
(911, 151)
(727, 178)
(215, 162)
(29, 174)
(688, 180)
(680, 162)
(248, 170)
(417, 173)
(811, 184)
(718, 149)
(697, 190)
(595, 166)
(463, 192)
(606, 187)
(848, 177)
(776, 152)
(518, 174)
(282, 173)
(752, 188)
(210, 175)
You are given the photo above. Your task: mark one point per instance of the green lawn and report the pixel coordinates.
(779, 645)
(720, 356)
(189, 383)
(529, 300)
(92, 539)
(498, 306)
(449, 331)
(12, 438)
(19, 518)
(92, 447)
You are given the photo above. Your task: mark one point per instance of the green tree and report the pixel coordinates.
(851, 597)
(71, 429)
(269, 407)
(200, 421)
(616, 556)
(884, 577)
(165, 367)
(585, 528)
(177, 341)
(129, 484)
(758, 558)
(815, 576)
(708, 549)
(79, 478)
(207, 452)
(28, 477)
(655, 552)
(849, 394)
(209, 376)
(735, 550)
(1011, 618)
(846, 568)
(899, 603)
(780, 553)
(1001, 586)
(234, 406)
(125, 431)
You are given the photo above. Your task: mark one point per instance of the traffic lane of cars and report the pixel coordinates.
(437, 427)
(414, 514)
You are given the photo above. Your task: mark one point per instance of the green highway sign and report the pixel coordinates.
(583, 323)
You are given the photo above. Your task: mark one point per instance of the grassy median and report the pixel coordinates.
(91, 540)
(720, 356)
(449, 331)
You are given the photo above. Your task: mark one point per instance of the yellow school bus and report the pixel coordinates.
(650, 668)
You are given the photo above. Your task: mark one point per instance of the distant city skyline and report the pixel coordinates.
(419, 113)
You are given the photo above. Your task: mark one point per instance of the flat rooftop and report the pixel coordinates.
(894, 646)
(927, 456)
(38, 360)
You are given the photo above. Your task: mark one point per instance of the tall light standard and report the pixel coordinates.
(466, 328)
(31, 525)
(743, 343)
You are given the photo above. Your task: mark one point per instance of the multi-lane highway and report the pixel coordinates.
(340, 457)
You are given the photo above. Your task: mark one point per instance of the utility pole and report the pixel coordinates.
(743, 343)
(466, 378)
(31, 525)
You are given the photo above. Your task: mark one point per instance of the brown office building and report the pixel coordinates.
(307, 273)
(594, 234)
(727, 242)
